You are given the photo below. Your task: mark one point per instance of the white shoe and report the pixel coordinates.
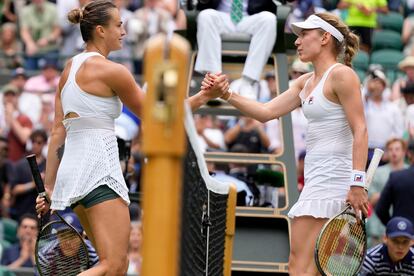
(245, 88)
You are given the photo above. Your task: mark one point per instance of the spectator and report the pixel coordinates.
(146, 22)
(300, 170)
(250, 133)
(384, 119)
(398, 193)
(408, 93)
(72, 42)
(40, 32)
(362, 18)
(22, 254)
(8, 12)
(394, 256)
(6, 170)
(19, 78)
(209, 135)
(218, 172)
(407, 66)
(22, 187)
(246, 174)
(395, 151)
(407, 35)
(135, 248)
(46, 82)
(17, 127)
(253, 17)
(39, 89)
(10, 47)
(57, 250)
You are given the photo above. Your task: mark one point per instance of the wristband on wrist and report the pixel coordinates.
(358, 179)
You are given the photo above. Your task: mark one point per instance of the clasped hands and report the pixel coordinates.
(215, 85)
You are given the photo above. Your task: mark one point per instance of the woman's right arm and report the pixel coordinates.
(277, 107)
(57, 139)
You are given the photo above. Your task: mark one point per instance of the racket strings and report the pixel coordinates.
(61, 251)
(342, 246)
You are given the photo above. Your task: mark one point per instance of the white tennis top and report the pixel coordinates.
(91, 155)
(328, 161)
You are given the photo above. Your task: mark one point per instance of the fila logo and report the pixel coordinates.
(358, 178)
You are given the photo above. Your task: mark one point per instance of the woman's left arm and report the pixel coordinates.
(346, 87)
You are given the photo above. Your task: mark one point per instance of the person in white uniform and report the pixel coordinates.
(253, 17)
(88, 177)
(336, 141)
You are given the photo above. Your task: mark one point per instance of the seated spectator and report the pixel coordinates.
(407, 66)
(10, 47)
(135, 248)
(17, 126)
(408, 94)
(395, 150)
(250, 133)
(6, 172)
(19, 78)
(22, 254)
(407, 35)
(56, 250)
(72, 42)
(398, 193)
(394, 256)
(209, 135)
(218, 172)
(384, 118)
(38, 89)
(257, 19)
(46, 82)
(362, 18)
(22, 186)
(146, 22)
(40, 32)
(8, 12)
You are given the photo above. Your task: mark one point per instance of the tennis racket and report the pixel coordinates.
(342, 243)
(60, 249)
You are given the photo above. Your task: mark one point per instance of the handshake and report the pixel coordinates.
(216, 86)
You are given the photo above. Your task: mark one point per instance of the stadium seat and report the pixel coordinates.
(390, 21)
(389, 60)
(10, 230)
(361, 61)
(386, 39)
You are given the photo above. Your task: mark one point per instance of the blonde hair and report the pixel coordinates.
(350, 46)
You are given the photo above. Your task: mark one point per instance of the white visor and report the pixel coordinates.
(315, 22)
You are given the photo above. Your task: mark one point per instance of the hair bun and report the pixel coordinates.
(75, 16)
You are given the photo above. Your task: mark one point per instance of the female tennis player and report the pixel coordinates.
(89, 178)
(336, 150)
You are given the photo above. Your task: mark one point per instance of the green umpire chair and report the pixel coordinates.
(389, 60)
(390, 21)
(386, 39)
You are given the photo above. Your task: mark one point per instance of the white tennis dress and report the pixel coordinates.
(328, 161)
(91, 154)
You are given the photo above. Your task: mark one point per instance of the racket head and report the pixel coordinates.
(60, 250)
(341, 245)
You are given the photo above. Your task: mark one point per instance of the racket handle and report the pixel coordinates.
(36, 176)
(373, 165)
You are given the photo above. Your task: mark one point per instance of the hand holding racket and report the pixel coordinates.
(342, 243)
(60, 249)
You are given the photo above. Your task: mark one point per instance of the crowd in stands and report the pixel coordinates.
(36, 39)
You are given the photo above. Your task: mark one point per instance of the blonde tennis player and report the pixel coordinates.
(336, 146)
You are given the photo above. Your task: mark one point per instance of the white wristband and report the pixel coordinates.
(358, 179)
